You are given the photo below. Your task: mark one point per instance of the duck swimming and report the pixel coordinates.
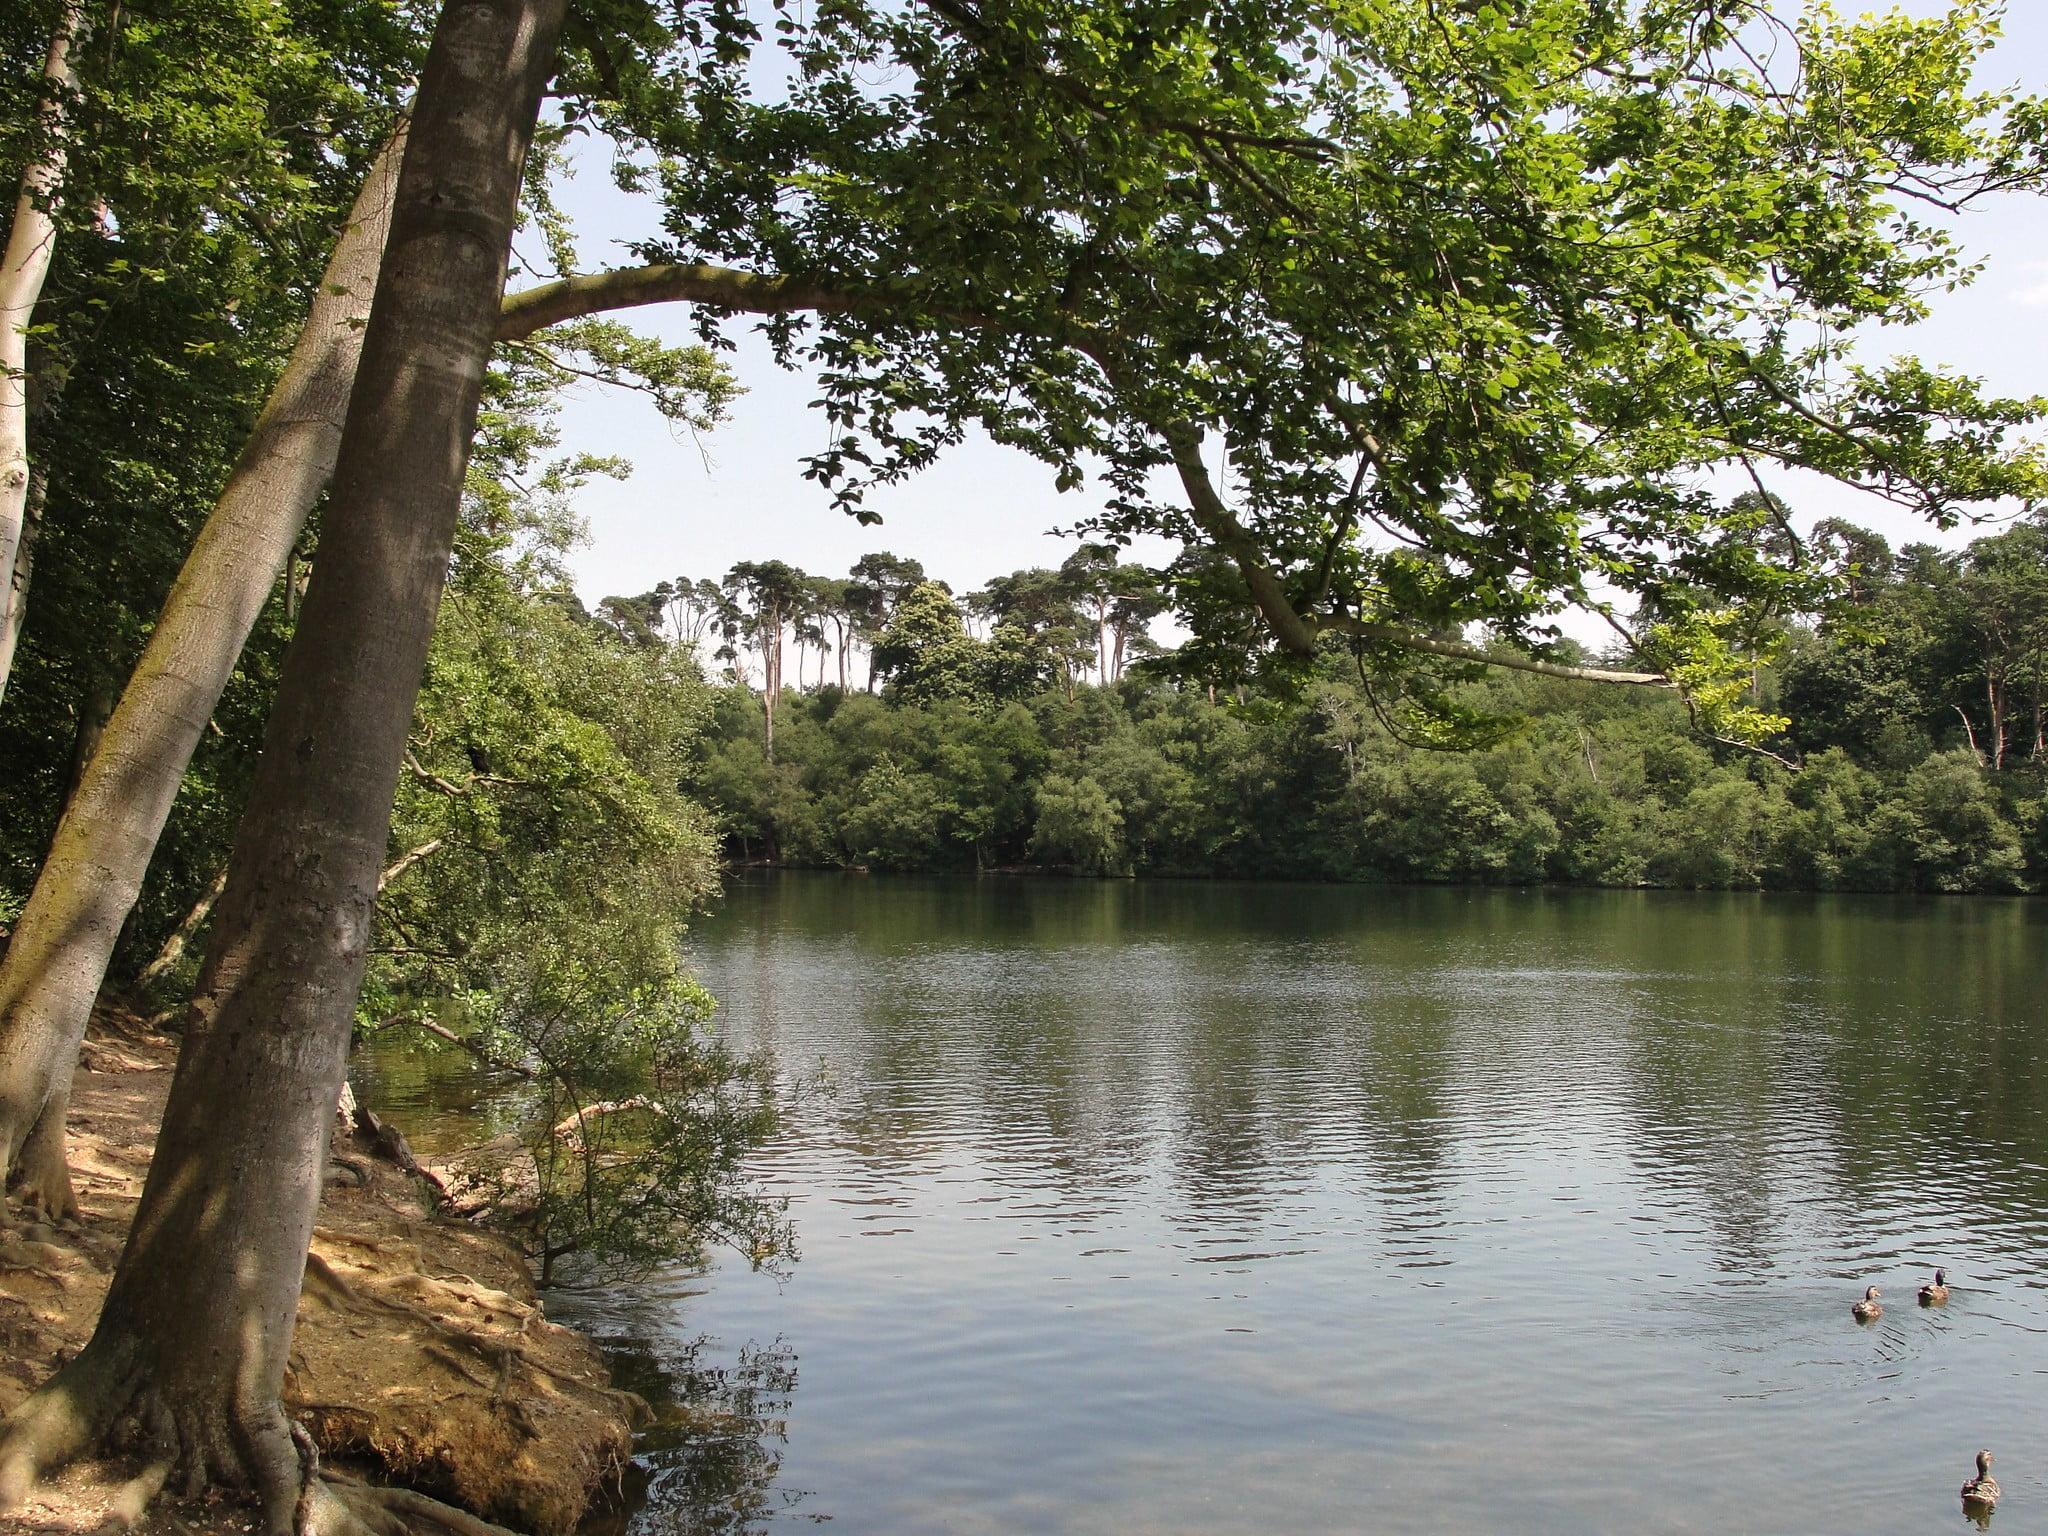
(1935, 1294)
(1981, 1491)
(1869, 1308)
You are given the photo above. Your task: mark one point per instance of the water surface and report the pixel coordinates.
(1192, 1208)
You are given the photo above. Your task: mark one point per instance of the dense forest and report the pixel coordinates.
(1405, 327)
(1908, 753)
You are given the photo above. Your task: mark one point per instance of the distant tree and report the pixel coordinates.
(833, 601)
(637, 620)
(878, 583)
(1137, 599)
(1050, 630)
(926, 652)
(1856, 558)
(2003, 595)
(768, 594)
(1078, 825)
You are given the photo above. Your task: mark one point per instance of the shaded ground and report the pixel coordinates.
(422, 1356)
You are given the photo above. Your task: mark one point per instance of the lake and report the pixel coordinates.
(1134, 1207)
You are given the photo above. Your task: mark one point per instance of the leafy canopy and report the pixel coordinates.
(1415, 314)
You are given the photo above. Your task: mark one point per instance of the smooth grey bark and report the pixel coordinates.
(64, 939)
(31, 241)
(193, 1338)
(16, 614)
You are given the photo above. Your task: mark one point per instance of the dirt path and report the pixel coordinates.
(422, 1356)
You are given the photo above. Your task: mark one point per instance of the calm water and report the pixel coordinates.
(1215, 1208)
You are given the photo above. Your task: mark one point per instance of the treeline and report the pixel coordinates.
(1912, 758)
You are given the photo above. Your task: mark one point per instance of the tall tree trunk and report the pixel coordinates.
(31, 241)
(193, 1337)
(771, 675)
(93, 710)
(65, 937)
(16, 602)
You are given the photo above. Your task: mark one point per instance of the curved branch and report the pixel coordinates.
(752, 292)
(571, 298)
(1458, 650)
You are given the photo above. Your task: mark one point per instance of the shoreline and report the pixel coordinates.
(423, 1356)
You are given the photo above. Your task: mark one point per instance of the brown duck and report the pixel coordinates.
(1869, 1309)
(1981, 1492)
(1933, 1295)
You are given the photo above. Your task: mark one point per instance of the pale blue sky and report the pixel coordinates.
(694, 508)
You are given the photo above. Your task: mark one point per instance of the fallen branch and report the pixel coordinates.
(442, 1032)
(576, 1121)
(174, 947)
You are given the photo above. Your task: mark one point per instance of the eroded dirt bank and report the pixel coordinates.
(422, 1356)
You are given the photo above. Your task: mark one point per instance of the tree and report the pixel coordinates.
(833, 601)
(100, 854)
(546, 866)
(772, 595)
(926, 652)
(1137, 600)
(1859, 560)
(1511, 390)
(193, 1338)
(1042, 607)
(878, 584)
(95, 867)
(2004, 606)
(1078, 825)
(692, 611)
(209, 151)
(24, 264)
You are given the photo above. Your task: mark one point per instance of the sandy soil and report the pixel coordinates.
(422, 1356)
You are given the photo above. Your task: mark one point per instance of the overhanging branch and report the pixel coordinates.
(535, 309)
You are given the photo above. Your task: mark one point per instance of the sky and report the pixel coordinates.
(696, 505)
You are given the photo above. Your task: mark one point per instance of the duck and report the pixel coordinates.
(1981, 1491)
(1869, 1308)
(1934, 1294)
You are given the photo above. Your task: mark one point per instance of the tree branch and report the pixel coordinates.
(719, 287)
(406, 861)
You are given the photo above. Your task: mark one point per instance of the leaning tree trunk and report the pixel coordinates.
(193, 1337)
(31, 240)
(65, 936)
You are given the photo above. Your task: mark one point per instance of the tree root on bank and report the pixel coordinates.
(408, 1327)
(334, 1504)
(106, 1402)
(502, 1359)
(61, 1425)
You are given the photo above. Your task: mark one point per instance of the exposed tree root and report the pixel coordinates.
(500, 1358)
(421, 1357)
(69, 1420)
(106, 1402)
(127, 1503)
(331, 1504)
(399, 1511)
(39, 1179)
(61, 1281)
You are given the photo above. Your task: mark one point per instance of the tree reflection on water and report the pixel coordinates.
(708, 1462)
